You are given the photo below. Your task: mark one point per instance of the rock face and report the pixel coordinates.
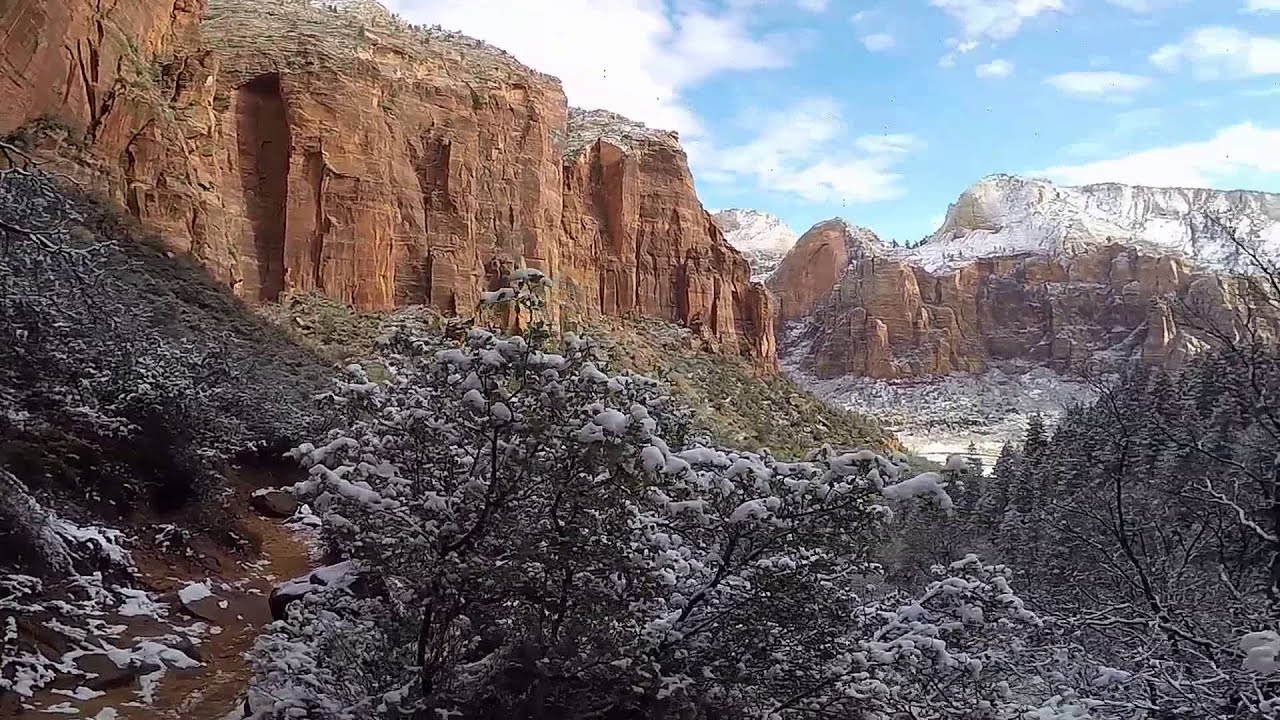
(1004, 215)
(331, 147)
(637, 241)
(763, 238)
(810, 270)
(88, 66)
(1019, 273)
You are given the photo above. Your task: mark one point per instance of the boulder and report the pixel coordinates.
(274, 503)
(339, 576)
(106, 675)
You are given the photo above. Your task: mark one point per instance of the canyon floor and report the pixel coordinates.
(938, 417)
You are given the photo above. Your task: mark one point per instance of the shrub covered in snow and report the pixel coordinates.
(539, 537)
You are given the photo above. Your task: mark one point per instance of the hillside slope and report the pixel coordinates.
(140, 402)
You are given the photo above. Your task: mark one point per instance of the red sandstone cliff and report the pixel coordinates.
(854, 306)
(291, 145)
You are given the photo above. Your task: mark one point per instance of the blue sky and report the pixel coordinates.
(883, 112)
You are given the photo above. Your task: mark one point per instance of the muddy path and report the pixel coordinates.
(222, 626)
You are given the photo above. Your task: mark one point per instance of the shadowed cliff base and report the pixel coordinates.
(262, 135)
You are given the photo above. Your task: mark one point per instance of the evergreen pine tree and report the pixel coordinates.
(1000, 486)
(976, 467)
(1035, 440)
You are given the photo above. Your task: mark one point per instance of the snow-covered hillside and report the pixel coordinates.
(1005, 215)
(763, 238)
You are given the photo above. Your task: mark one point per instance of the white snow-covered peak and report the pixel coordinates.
(1004, 215)
(755, 230)
(763, 238)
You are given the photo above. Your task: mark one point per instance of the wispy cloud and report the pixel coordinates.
(1099, 85)
(1213, 52)
(1262, 6)
(999, 68)
(643, 73)
(878, 42)
(804, 151)
(994, 19)
(1232, 150)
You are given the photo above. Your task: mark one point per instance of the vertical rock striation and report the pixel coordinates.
(1024, 271)
(331, 147)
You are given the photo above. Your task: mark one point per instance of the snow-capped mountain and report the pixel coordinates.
(1005, 215)
(763, 238)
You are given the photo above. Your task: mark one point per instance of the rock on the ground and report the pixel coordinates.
(274, 503)
(107, 675)
(338, 576)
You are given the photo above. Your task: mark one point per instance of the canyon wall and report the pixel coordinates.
(89, 64)
(330, 147)
(1022, 271)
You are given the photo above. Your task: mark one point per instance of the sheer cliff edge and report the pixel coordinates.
(332, 147)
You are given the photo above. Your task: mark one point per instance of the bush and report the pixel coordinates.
(540, 538)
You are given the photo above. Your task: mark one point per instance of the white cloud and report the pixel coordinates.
(1100, 85)
(1143, 6)
(1138, 6)
(633, 57)
(887, 144)
(1262, 6)
(958, 47)
(1239, 148)
(813, 6)
(994, 19)
(1213, 52)
(879, 42)
(803, 151)
(999, 68)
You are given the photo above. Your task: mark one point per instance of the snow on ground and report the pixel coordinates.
(936, 418)
(85, 617)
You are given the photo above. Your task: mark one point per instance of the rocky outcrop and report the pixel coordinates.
(637, 241)
(809, 272)
(90, 66)
(312, 146)
(87, 63)
(888, 318)
(1030, 277)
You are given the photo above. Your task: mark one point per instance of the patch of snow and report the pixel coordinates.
(81, 693)
(928, 483)
(941, 417)
(106, 541)
(195, 592)
(1262, 652)
(138, 603)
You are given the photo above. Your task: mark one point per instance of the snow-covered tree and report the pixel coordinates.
(538, 537)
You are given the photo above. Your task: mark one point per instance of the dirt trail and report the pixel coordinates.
(237, 608)
(212, 691)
